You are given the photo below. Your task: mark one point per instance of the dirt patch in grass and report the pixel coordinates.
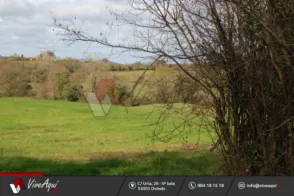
(130, 155)
(115, 139)
(188, 147)
(118, 155)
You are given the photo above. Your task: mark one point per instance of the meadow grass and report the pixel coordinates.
(64, 138)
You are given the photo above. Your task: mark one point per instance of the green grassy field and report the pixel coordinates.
(64, 138)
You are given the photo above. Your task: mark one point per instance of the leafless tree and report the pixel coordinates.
(240, 52)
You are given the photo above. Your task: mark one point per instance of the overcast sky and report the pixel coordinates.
(26, 27)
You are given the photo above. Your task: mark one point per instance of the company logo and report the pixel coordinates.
(17, 186)
(99, 101)
(34, 184)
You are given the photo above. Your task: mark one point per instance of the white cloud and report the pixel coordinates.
(15, 37)
(17, 8)
(27, 25)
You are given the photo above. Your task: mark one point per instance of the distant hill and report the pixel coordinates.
(82, 60)
(138, 63)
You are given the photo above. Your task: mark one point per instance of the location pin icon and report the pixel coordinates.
(132, 185)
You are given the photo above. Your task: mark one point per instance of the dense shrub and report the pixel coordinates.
(71, 66)
(105, 60)
(40, 76)
(62, 83)
(72, 92)
(112, 68)
(119, 67)
(130, 67)
(65, 90)
(119, 94)
(15, 81)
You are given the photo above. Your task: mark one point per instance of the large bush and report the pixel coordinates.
(65, 90)
(72, 92)
(15, 81)
(40, 75)
(71, 65)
